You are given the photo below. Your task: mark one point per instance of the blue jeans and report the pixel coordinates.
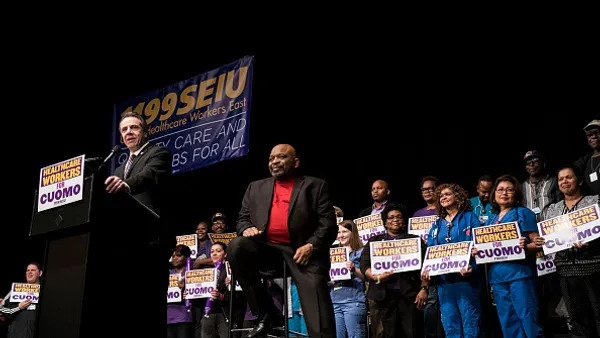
(351, 316)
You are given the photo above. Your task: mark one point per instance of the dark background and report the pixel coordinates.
(356, 108)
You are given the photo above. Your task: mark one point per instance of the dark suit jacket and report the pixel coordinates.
(148, 175)
(367, 211)
(311, 217)
(410, 281)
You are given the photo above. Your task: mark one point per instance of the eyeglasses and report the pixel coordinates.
(532, 162)
(218, 222)
(395, 217)
(593, 133)
(427, 189)
(507, 190)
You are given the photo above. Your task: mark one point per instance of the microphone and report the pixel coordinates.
(209, 301)
(116, 150)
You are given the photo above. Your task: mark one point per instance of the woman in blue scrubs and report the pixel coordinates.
(458, 293)
(513, 282)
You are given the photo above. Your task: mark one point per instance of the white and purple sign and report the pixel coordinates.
(420, 226)
(238, 287)
(24, 291)
(498, 243)
(395, 256)
(369, 226)
(545, 263)
(61, 183)
(191, 241)
(562, 231)
(174, 292)
(338, 257)
(200, 283)
(447, 258)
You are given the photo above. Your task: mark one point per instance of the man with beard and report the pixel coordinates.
(290, 217)
(481, 203)
(379, 192)
(540, 189)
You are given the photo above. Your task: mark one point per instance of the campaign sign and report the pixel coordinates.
(369, 226)
(498, 243)
(447, 258)
(61, 183)
(174, 293)
(338, 257)
(577, 226)
(238, 287)
(420, 226)
(223, 238)
(189, 240)
(395, 256)
(200, 283)
(24, 291)
(545, 263)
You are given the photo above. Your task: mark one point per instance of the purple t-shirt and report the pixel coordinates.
(425, 212)
(204, 248)
(176, 312)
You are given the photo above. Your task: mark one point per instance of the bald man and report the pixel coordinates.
(379, 192)
(286, 217)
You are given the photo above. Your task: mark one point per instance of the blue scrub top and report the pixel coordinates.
(509, 271)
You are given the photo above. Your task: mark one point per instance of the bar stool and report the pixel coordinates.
(269, 274)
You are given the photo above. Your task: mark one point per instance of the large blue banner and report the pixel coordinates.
(203, 120)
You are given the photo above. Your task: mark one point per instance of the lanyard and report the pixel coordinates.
(592, 165)
(449, 226)
(533, 191)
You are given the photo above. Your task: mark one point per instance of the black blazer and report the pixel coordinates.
(311, 217)
(148, 175)
(410, 281)
(367, 211)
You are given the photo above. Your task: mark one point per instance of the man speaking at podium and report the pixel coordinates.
(144, 176)
(144, 173)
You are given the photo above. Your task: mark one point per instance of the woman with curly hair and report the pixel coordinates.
(458, 293)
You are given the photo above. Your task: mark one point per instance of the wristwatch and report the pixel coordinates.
(426, 288)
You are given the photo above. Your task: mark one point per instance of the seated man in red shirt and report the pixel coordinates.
(286, 217)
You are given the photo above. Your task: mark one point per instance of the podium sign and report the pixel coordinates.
(61, 183)
(86, 234)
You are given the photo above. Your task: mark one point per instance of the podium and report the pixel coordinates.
(93, 252)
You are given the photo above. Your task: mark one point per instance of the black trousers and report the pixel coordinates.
(180, 330)
(432, 317)
(248, 255)
(582, 298)
(400, 317)
(198, 311)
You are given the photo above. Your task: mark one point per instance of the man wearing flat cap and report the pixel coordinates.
(540, 189)
(589, 164)
(219, 223)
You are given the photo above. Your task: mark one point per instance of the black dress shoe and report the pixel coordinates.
(261, 328)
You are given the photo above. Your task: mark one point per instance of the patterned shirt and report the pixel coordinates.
(576, 262)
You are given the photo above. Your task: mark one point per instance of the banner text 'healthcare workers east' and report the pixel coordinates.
(202, 120)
